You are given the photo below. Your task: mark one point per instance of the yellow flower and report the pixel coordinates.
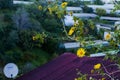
(103, 79)
(97, 66)
(33, 38)
(81, 52)
(56, 7)
(76, 38)
(40, 7)
(64, 4)
(75, 79)
(92, 71)
(71, 31)
(71, 13)
(50, 10)
(108, 36)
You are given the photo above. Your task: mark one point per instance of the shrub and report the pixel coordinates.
(26, 40)
(98, 2)
(76, 3)
(87, 9)
(7, 33)
(52, 25)
(6, 3)
(100, 11)
(90, 28)
(50, 45)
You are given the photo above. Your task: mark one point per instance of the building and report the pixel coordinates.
(22, 2)
(74, 9)
(107, 7)
(110, 18)
(85, 15)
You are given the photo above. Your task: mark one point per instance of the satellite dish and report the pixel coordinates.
(10, 70)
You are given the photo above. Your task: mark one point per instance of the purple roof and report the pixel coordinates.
(64, 68)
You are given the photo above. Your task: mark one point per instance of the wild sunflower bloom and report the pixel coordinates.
(71, 31)
(64, 4)
(97, 66)
(71, 13)
(40, 7)
(33, 38)
(81, 52)
(103, 79)
(56, 7)
(108, 36)
(50, 10)
(92, 71)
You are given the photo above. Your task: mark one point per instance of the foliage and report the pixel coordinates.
(49, 22)
(8, 34)
(51, 25)
(75, 3)
(33, 58)
(90, 28)
(6, 3)
(50, 45)
(26, 28)
(42, 26)
(100, 11)
(29, 39)
(98, 2)
(87, 9)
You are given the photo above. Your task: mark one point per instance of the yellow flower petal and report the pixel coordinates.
(97, 66)
(33, 38)
(81, 52)
(108, 36)
(40, 7)
(71, 13)
(71, 31)
(50, 10)
(63, 5)
(103, 79)
(92, 71)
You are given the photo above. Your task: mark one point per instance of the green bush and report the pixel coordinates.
(98, 2)
(90, 28)
(8, 34)
(50, 45)
(76, 3)
(100, 11)
(51, 25)
(6, 3)
(87, 9)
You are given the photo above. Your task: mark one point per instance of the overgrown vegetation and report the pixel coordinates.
(31, 34)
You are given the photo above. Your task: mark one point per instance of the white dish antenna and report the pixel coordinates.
(10, 70)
